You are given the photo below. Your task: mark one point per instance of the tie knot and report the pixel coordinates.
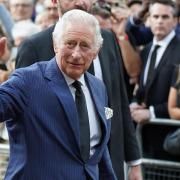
(156, 47)
(77, 85)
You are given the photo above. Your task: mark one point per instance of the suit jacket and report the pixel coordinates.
(44, 129)
(156, 92)
(123, 144)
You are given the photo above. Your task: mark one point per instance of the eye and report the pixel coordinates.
(70, 44)
(85, 45)
(156, 16)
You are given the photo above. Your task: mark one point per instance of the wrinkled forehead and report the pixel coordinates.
(80, 27)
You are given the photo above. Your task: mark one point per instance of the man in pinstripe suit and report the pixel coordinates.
(45, 136)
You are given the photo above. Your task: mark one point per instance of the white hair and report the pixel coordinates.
(78, 17)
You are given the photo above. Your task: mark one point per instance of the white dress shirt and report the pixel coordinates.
(94, 124)
(97, 68)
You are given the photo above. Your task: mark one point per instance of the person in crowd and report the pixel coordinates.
(6, 20)
(68, 140)
(114, 18)
(174, 95)
(134, 6)
(21, 9)
(39, 6)
(159, 60)
(103, 15)
(138, 32)
(52, 10)
(22, 30)
(108, 67)
(131, 57)
(3, 52)
(43, 20)
(172, 140)
(6, 68)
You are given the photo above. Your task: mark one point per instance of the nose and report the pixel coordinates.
(76, 52)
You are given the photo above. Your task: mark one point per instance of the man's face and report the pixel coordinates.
(51, 10)
(162, 21)
(76, 50)
(21, 10)
(66, 5)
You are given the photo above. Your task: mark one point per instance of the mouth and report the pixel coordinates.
(76, 65)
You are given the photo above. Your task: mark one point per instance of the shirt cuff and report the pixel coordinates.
(134, 162)
(152, 113)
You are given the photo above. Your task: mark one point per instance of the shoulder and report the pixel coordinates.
(31, 71)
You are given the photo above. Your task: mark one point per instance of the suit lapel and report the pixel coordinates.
(61, 89)
(100, 109)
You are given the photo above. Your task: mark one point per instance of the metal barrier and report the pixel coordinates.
(4, 157)
(156, 163)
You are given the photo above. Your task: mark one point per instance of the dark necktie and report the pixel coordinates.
(91, 68)
(152, 63)
(83, 121)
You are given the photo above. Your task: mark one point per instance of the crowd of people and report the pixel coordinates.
(135, 54)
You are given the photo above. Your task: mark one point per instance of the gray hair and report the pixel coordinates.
(78, 17)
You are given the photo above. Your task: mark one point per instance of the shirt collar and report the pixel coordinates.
(164, 42)
(70, 80)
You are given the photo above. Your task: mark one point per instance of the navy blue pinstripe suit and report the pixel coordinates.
(44, 131)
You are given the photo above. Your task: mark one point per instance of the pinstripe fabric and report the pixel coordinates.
(44, 130)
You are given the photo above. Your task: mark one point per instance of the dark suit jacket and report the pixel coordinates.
(122, 145)
(44, 130)
(157, 91)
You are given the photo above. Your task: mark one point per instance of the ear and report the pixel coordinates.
(55, 48)
(96, 53)
(3, 45)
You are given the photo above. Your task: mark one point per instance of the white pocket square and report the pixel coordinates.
(108, 112)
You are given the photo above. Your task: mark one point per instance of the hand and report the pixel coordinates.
(3, 44)
(143, 11)
(135, 173)
(135, 106)
(118, 20)
(141, 115)
(4, 75)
